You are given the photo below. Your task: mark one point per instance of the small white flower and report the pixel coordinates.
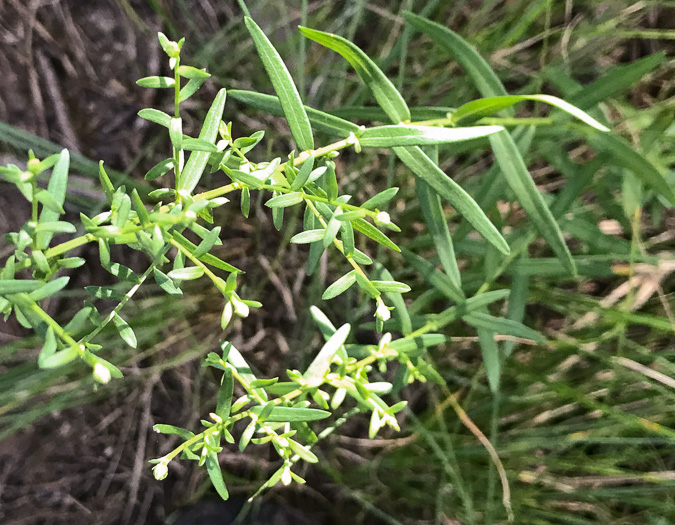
(101, 373)
(382, 312)
(286, 476)
(160, 471)
(383, 218)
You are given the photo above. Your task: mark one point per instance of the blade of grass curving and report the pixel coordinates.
(432, 209)
(424, 168)
(284, 87)
(464, 53)
(616, 81)
(195, 165)
(320, 120)
(488, 106)
(385, 93)
(516, 174)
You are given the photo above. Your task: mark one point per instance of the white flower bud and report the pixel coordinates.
(101, 373)
(160, 471)
(382, 312)
(382, 218)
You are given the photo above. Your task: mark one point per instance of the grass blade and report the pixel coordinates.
(464, 53)
(283, 86)
(516, 174)
(424, 168)
(385, 93)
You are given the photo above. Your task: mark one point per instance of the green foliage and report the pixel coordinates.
(343, 373)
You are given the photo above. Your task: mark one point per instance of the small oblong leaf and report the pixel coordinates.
(285, 200)
(292, 414)
(156, 82)
(308, 236)
(195, 165)
(186, 274)
(339, 286)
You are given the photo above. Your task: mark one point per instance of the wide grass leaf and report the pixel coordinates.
(410, 135)
(424, 168)
(195, 165)
(385, 93)
(283, 86)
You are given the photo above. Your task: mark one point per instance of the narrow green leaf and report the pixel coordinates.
(49, 202)
(190, 72)
(176, 132)
(464, 53)
(381, 198)
(487, 106)
(491, 359)
(165, 283)
(434, 217)
(56, 187)
(283, 86)
(49, 348)
(195, 165)
(303, 452)
(207, 258)
(347, 237)
(371, 231)
(192, 144)
(49, 289)
(245, 201)
(71, 262)
(424, 168)
(186, 274)
(55, 227)
(365, 285)
(156, 116)
(440, 281)
(321, 121)
(391, 286)
(216, 475)
(383, 89)
(173, 431)
(237, 360)
(211, 238)
(284, 200)
(303, 174)
(503, 326)
(339, 286)
(106, 184)
(190, 89)
(321, 364)
(410, 135)
(156, 82)
(515, 172)
(12, 286)
(59, 358)
(292, 414)
(225, 394)
(623, 155)
(308, 236)
(617, 80)
(125, 331)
